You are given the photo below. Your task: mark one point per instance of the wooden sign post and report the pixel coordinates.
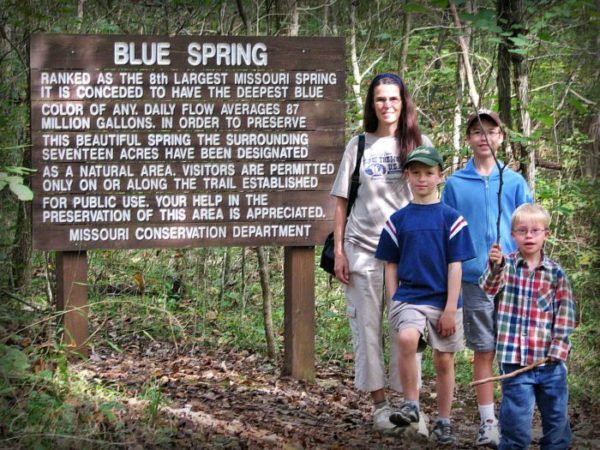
(299, 312)
(71, 298)
(187, 141)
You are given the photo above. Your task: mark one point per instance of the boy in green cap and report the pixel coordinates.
(423, 245)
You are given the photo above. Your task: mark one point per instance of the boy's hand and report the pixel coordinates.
(496, 257)
(446, 326)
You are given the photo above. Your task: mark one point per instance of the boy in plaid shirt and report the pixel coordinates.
(536, 315)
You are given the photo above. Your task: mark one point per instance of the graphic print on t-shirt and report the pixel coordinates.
(379, 166)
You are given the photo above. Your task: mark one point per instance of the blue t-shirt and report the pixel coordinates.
(423, 240)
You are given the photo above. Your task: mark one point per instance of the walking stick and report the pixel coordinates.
(500, 173)
(512, 374)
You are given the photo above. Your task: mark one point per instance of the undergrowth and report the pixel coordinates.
(203, 298)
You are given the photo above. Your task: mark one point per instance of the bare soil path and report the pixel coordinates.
(206, 399)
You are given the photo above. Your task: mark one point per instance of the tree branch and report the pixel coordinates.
(512, 374)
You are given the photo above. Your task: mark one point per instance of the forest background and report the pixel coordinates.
(536, 62)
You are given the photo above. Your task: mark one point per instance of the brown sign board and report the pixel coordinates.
(184, 141)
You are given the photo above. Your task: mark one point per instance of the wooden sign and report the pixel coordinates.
(185, 141)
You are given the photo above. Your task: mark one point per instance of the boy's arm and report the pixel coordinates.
(447, 323)
(391, 279)
(564, 320)
(493, 280)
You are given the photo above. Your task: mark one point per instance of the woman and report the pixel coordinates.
(392, 131)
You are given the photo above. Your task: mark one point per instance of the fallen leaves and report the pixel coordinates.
(239, 400)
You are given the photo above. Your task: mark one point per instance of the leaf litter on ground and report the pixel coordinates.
(227, 399)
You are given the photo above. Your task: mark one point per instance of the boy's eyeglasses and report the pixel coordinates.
(534, 231)
(478, 133)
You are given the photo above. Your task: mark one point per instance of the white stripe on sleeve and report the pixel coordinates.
(458, 225)
(391, 231)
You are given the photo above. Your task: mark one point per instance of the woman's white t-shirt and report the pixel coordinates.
(382, 191)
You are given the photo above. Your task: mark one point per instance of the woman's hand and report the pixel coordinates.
(342, 268)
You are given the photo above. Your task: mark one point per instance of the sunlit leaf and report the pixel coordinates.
(520, 41)
(21, 191)
(518, 51)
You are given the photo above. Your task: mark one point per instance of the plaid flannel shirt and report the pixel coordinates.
(536, 313)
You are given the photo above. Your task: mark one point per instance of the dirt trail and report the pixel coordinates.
(236, 400)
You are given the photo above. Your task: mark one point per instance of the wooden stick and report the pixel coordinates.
(512, 374)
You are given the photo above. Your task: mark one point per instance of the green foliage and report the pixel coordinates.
(484, 20)
(414, 8)
(155, 400)
(212, 297)
(13, 362)
(575, 208)
(11, 177)
(585, 365)
(333, 341)
(38, 403)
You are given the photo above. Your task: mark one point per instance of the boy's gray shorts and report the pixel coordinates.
(424, 318)
(479, 315)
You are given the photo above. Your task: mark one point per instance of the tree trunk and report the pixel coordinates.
(267, 302)
(461, 73)
(294, 27)
(457, 132)
(80, 6)
(21, 255)
(464, 47)
(334, 16)
(354, 58)
(225, 273)
(20, 271)
(522, 89)
(243, 277)
(513, 13)
(358, 76)
(503, 79)
(325, 26)
(406, 23)
(593, 149)
(242, 14)
(274, 9)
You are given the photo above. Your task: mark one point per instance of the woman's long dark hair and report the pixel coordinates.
(408, 133)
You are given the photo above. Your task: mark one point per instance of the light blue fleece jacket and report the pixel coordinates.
(476, 199)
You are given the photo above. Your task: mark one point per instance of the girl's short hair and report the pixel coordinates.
(530, 211)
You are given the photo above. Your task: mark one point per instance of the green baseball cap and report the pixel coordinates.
(426, 155)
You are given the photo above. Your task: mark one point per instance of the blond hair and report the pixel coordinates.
(530, 211)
